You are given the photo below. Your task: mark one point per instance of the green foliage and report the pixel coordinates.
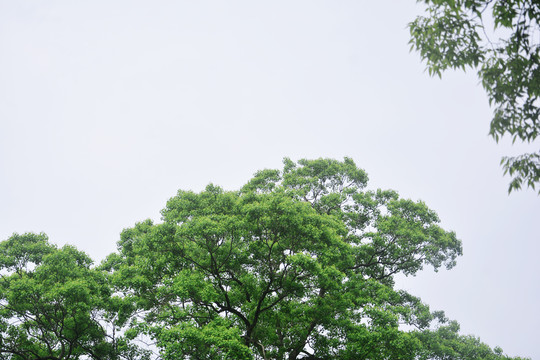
(297, 264)
(47, 300)
(454, 35)
(445, 343)
(52, 303)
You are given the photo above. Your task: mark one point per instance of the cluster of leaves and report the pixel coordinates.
(453, 34)
(297, 264)
(53, 305)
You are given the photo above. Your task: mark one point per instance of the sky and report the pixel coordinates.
(107, 108)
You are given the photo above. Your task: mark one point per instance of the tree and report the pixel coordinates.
(445, 343)
(298, 264)
(52, 304)
(454, 34)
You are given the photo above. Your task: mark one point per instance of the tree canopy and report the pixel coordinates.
(53, 305)
(297, 264)
(500, 39)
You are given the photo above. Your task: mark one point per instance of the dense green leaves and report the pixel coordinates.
(48, 301)
(53, 305)
(297, 264)
(454, 34)
(445, 343)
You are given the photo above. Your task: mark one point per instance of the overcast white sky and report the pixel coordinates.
(107, 108)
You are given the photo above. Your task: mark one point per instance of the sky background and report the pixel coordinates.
(107, 108)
